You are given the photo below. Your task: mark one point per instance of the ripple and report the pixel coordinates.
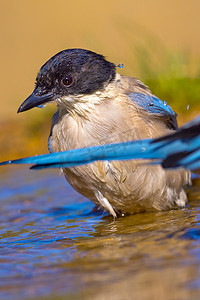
(53, 242)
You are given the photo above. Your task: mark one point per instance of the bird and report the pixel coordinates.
(98, 107)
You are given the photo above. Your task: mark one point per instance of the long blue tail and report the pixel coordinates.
(180, 149)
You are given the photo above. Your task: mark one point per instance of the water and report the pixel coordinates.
(55, 245)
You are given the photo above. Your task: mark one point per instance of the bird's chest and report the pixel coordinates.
(102, 126)
(72, 133)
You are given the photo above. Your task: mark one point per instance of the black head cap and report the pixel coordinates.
(70, 72)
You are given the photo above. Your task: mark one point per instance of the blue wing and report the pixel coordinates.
(181, 148)
(155, 106)
(189, 135)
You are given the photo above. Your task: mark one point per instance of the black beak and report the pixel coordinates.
(34, 100)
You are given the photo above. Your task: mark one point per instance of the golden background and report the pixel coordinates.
(33, 31)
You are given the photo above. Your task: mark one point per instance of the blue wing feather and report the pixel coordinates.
(181, 148)
(155, 106)
(152, 104)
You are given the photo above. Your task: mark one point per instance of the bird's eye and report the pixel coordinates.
(67, 80)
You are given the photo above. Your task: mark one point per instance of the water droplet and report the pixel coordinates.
(165, 103)
(188, 106)
(143, 149)
(41, 106)
(120, 66)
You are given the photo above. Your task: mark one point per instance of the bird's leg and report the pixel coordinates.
(105, 203)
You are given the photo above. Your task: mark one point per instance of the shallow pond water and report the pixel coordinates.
(55, 245)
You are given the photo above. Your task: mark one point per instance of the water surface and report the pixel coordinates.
(55, 245)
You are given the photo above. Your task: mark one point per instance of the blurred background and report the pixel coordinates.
(53, 242)
(158, 41)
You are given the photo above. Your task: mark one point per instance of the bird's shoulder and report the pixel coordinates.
(140, 95)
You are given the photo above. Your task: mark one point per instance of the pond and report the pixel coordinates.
(56, 245)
